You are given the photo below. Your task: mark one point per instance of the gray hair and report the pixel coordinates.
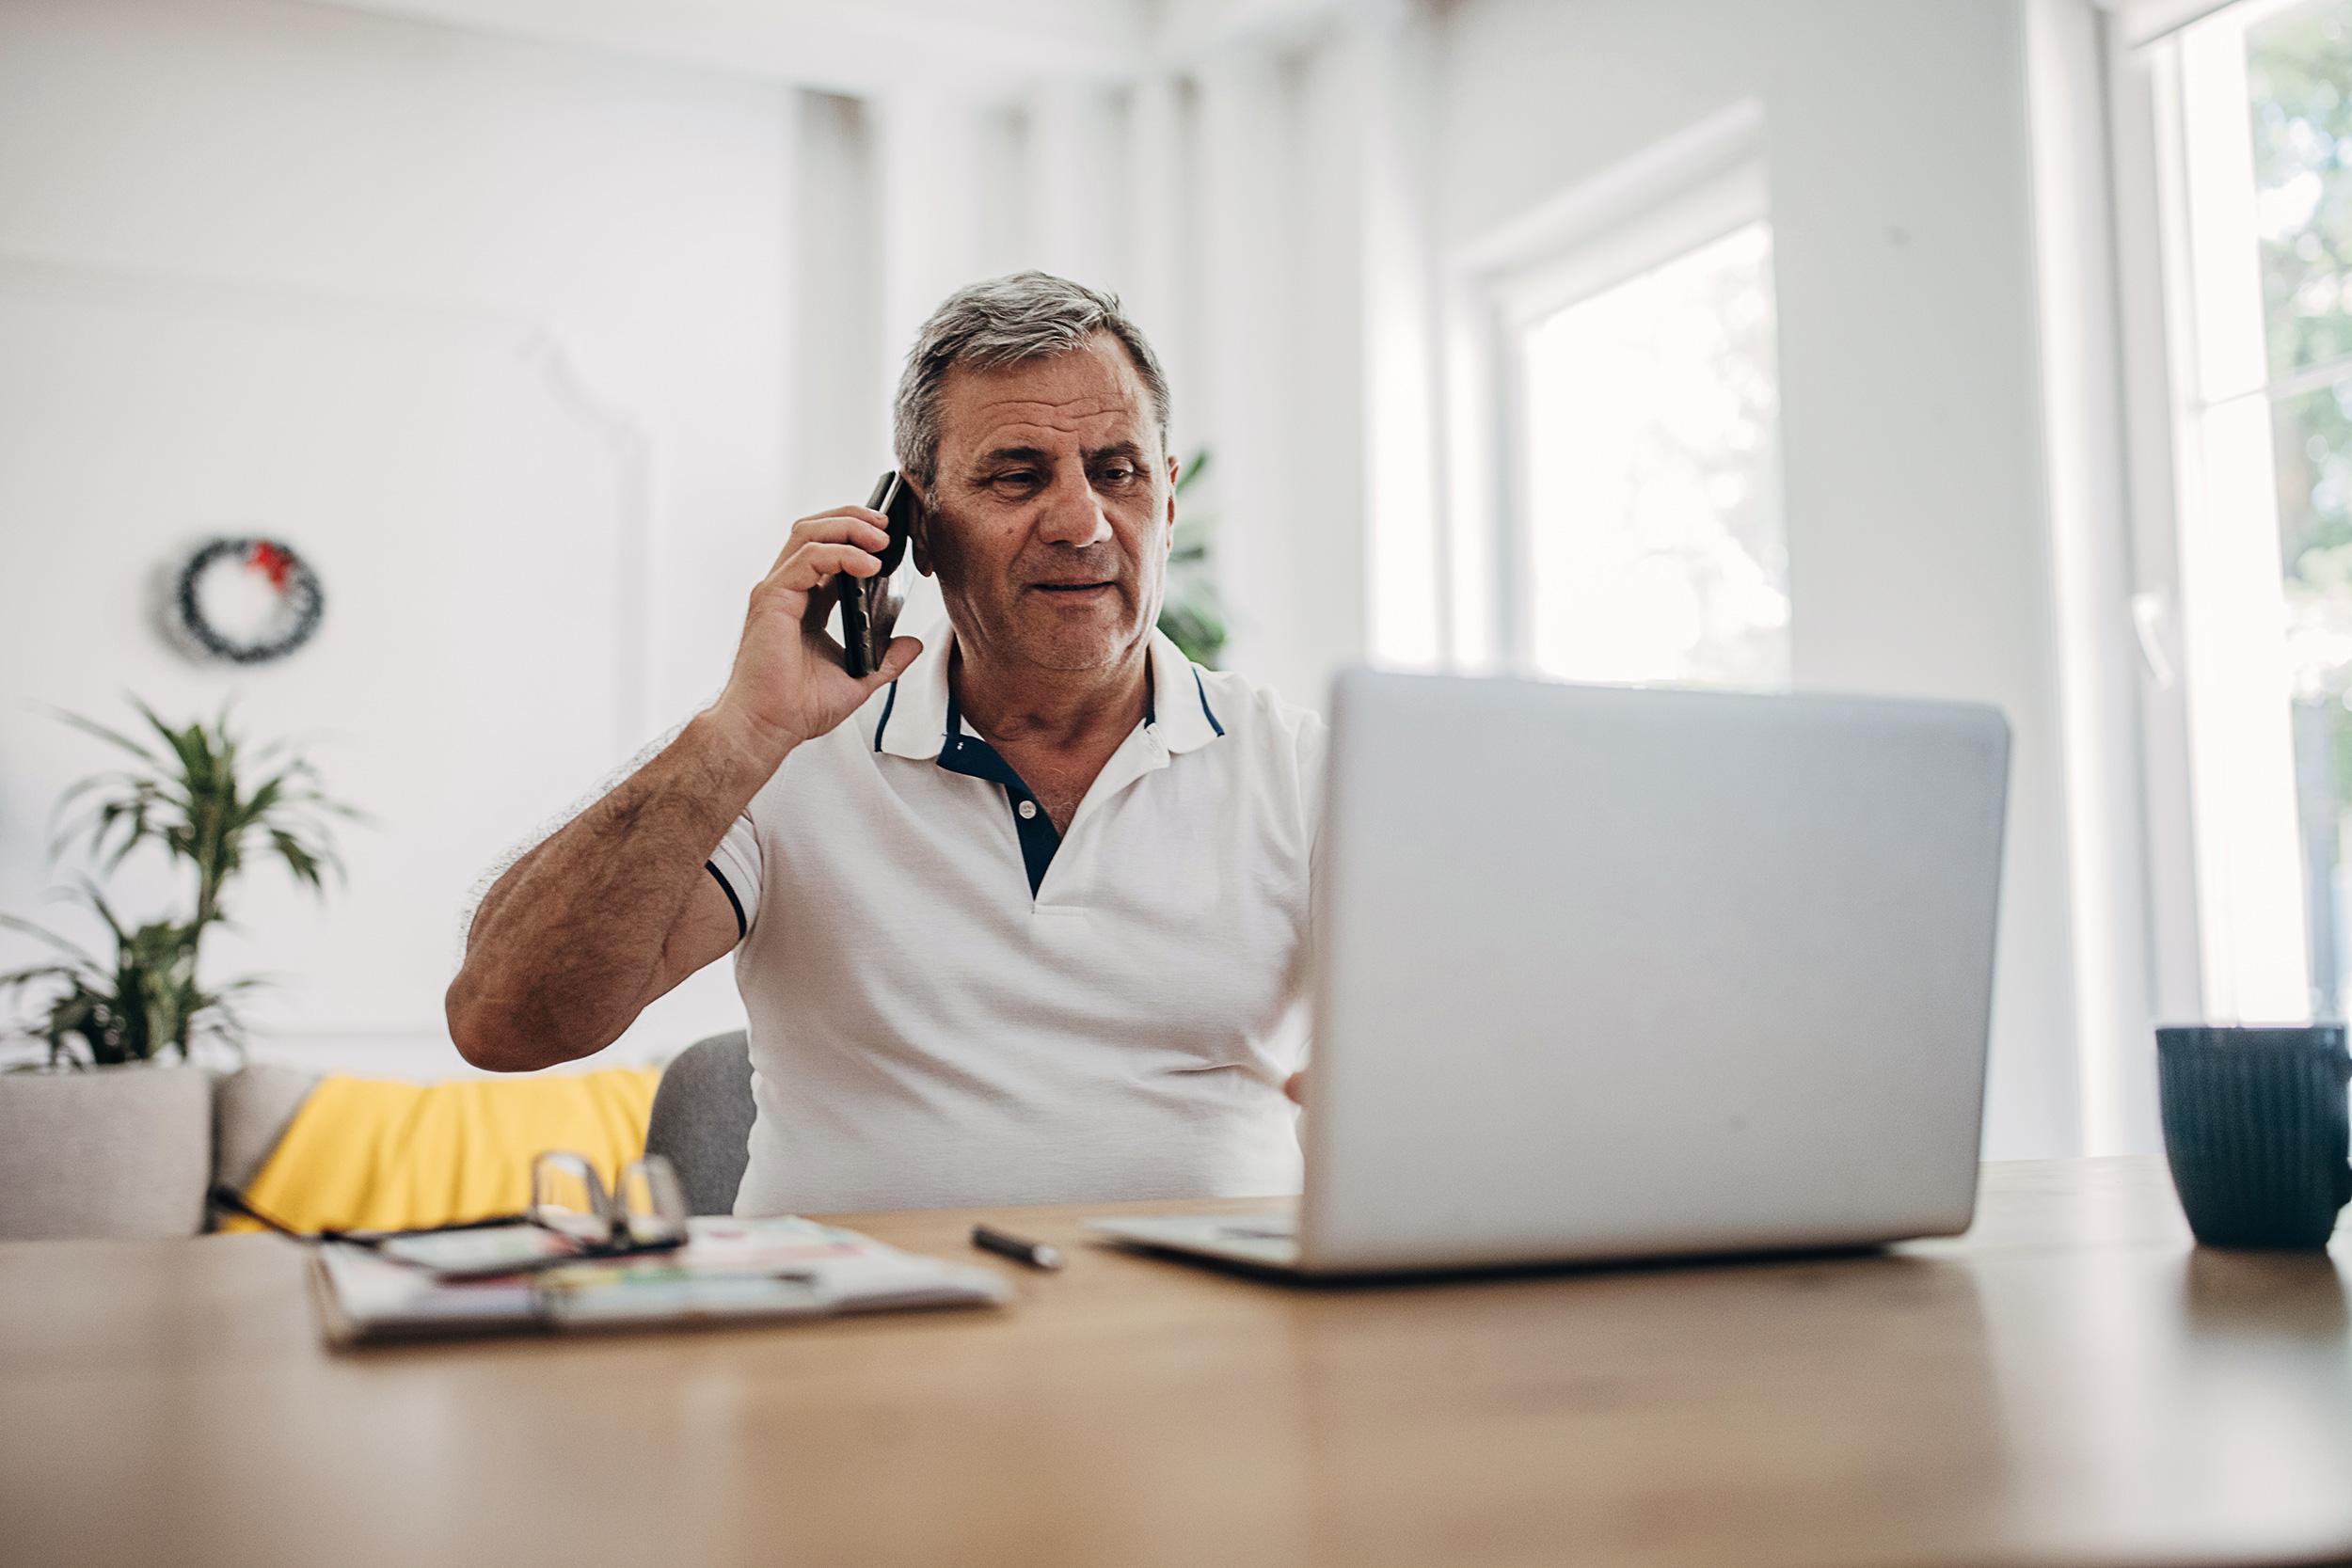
(1007, 320)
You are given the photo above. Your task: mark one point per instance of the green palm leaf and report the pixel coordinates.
(188, 793)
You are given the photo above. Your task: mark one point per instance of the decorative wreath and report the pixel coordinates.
(301, 600)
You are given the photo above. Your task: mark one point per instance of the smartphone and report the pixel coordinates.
(869, 606)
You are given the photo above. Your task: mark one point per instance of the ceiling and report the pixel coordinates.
(989, 47)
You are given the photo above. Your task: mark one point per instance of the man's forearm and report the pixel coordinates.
(567, 946)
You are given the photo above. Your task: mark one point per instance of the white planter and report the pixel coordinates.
(112, 1152)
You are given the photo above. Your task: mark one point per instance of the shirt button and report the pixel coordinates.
(1028, 808)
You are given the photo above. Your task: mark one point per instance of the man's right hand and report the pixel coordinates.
(788, 684)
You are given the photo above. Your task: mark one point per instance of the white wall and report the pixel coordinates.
(493, 332)
(1897, 140)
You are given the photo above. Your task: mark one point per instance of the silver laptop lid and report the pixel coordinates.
(1611, 972)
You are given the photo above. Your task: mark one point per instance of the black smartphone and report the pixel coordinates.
(869, 606)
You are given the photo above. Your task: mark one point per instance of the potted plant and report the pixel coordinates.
(88, 1146)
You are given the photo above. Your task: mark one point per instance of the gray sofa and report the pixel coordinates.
(130, 1152)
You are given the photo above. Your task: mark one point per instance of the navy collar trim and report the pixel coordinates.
(1179, 727)
(953, 735)
(972, 755)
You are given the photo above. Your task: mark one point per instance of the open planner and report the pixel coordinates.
(730, 1270)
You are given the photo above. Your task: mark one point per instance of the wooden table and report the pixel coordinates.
(2070, 1383)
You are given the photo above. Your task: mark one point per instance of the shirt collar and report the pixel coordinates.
(914, 720)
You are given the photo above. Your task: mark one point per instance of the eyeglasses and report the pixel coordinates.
(571, 1217)
(646, 1211)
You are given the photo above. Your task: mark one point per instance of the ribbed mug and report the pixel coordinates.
(2255, 1129)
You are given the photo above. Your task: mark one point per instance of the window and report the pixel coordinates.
(2300, 90)
(2253, 136)
(1650, 443)
(1615, 410)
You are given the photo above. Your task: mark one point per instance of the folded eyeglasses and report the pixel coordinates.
(572, 1215)
(646, 1211)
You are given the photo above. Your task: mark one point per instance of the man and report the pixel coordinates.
(1019, 918)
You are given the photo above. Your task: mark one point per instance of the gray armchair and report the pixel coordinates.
(702, 1120)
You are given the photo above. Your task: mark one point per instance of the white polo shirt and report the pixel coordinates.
(952, 1006)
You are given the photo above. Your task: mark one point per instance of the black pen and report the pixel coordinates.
(1035, 1253)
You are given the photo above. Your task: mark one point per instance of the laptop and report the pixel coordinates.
(1605, 974)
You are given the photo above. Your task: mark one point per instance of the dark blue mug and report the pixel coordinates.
(2255, 1129)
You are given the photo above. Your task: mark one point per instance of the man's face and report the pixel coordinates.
(1051, 517)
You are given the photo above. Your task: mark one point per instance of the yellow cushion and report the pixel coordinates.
(363, 1154)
